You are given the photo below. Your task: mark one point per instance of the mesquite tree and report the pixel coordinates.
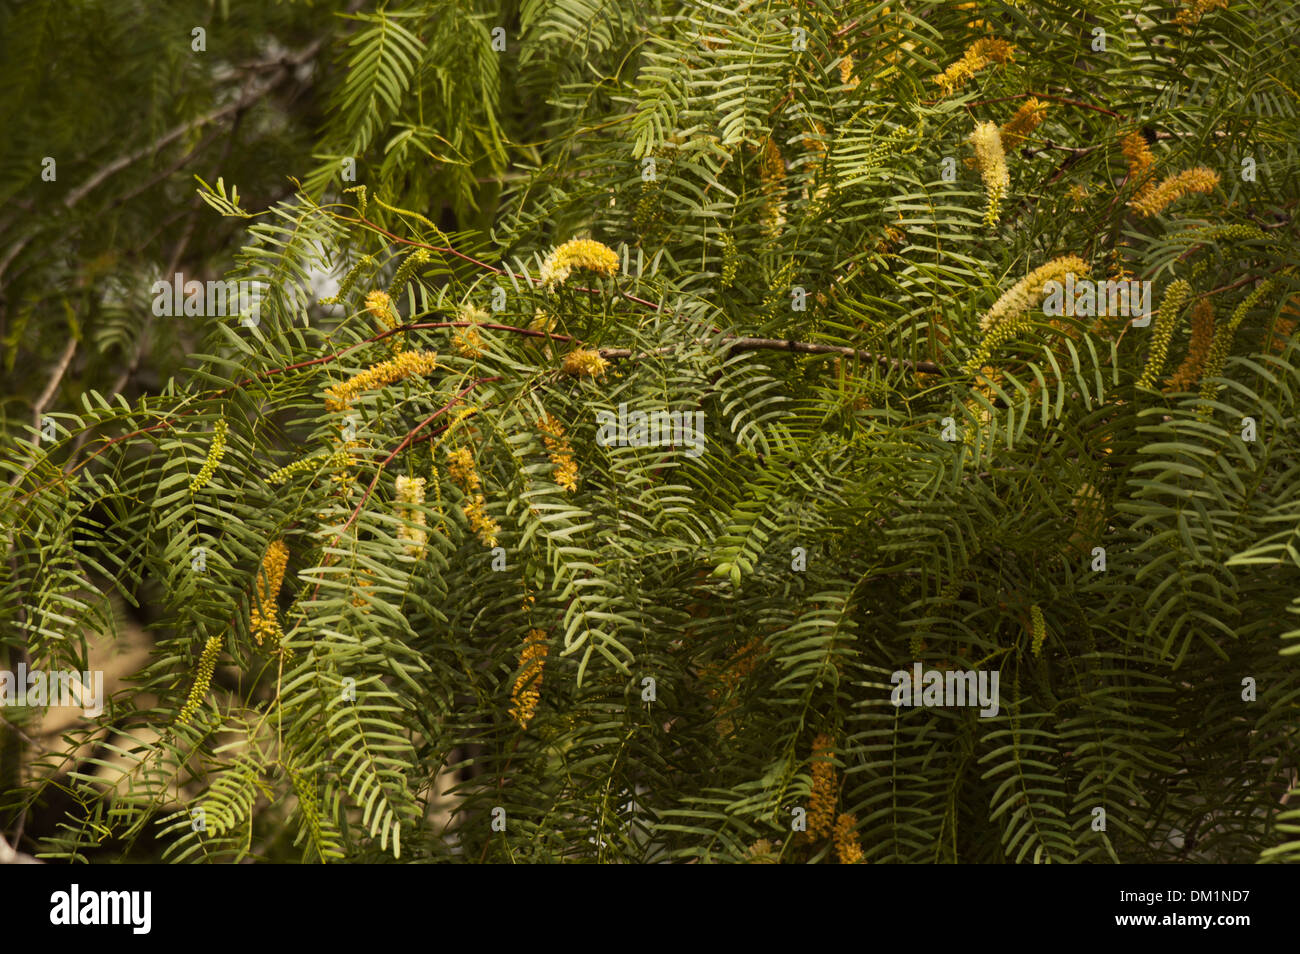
(810, 432)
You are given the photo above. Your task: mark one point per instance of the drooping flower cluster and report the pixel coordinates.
(578, 253)
(527, 690)
(1007, 318)
(1154, 200)
(985, 51)
(1140, 162)
(338, 460)
(1027, 118)
(410, 496)
(1223, 336)
(821, 801)
(566, 469)
(264, 621)
(1193, 10)
(460, 464)
(848, 849)
(395, 369)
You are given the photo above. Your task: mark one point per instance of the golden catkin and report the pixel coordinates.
(527, 690)
(380, 306)
(410, 496)
(566, 469)
(1141, 163)
(1154, 201)
(202, 679)
(338, 460)
(583, 362)
(1198, 349)
(1022, 296)
(1162, 330)
(398, 368)
(1038, 629)
(1193, 10)
(821, 800)
(578, 253)
(1009, 318)
(1027, 118)
(848, 849)
(460, 464)
(983, 52)
(215, 453)
(992, 162)
(263, 618)
(846, 71)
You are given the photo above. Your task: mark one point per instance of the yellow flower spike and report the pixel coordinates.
(821, 801)
(1193, 10)
(410, 495)
(566, 469)
(1141, 162)
(585, 362)
(263, 617)
(985, 51)
(202, 679)
(992, 162)
(1038, 628)
(460, 464)
(1162, 330)
(1027, 118)
(527, 690)
(397, 368)
(578, 253)
(1154, 201)
(1023, 295)
(215, 453)
(483, 525)
(848, 849)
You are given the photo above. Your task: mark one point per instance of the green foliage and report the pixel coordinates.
(706, 616)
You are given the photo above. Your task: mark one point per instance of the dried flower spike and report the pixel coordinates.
(527, 691)
(263, 617)
(848, 849)
(821, 801)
